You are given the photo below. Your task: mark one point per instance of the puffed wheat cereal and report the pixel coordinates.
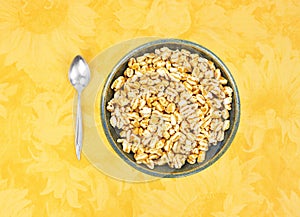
(170, 107)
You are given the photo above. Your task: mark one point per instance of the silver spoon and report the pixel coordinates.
(79, 76)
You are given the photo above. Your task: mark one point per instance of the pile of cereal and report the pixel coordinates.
(170, 107)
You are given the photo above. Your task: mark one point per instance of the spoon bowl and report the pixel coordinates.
(79, 76)
(79, 73)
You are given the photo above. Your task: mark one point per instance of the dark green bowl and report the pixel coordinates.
(214, 152)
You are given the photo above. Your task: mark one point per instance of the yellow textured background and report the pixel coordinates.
(39, 174)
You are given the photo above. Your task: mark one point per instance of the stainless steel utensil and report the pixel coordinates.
(79, 76)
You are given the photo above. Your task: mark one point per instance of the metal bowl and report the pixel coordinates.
(214, 152)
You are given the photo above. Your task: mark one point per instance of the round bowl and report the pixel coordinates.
(214, 152)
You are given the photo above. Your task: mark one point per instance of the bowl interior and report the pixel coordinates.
(213, 153)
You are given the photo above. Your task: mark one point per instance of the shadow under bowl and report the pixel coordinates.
(214, 152)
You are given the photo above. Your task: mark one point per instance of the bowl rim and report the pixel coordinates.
(176, 173)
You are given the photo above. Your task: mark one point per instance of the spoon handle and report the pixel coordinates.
(78, 133)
